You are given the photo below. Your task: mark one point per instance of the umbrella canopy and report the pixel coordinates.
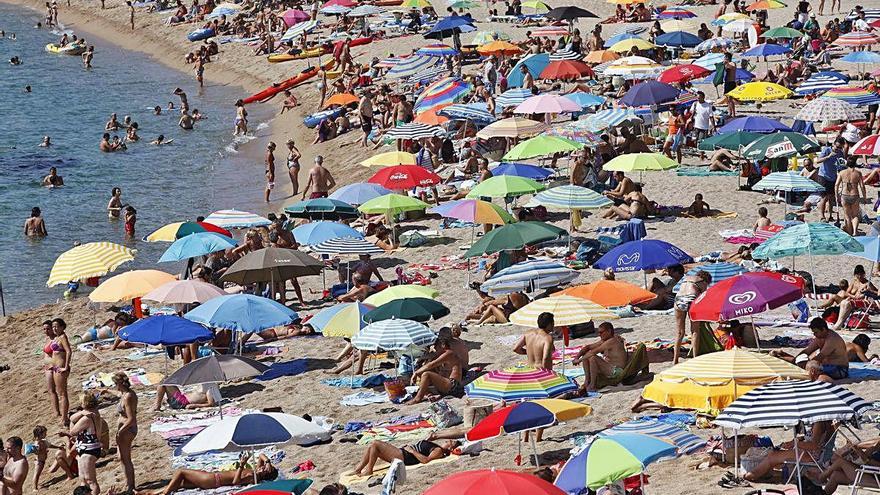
(766, 50)
(718, 43)
(184, 292)
(515, 126)
(341, 320)
(778, 145)
(235, 219)
(649, 93)
(528, 276)
(745, 295)
(215, 369)
(341, 99)
(676, 12)
(791, 403)
(298, 29)
(643, 254)
(533, 63)
(611, 117)
(547, 103)
(765, 5)
(414, 131)
(474, 211)
(738, 26)
(256, 430)
(570, 197)
(130, 285)
(640, 162)
(783, 33)
(822, 109)
(242, 312)
(335, 10)
(499, 47)
(525, 170)
(519, 383)
(494, 481)
(686, 442)
(853, 95)
(93, 259)
(760, 91)
(756, 124)
(393, 335)
(568, 13)
(857, 38)
(586, 99)
(279, 487)
(634, 68)
(347, 245)
(515, 96)
(566, 310)
(393, 204)
(601, 56)
(165, 330)
(390, 159)
(451, 25)
(400, 177)
(197, 245)
(564, 69)
(272, 264)
(542, 146)
(731, 140)
(364, 10)
(484, 37)
(437, 50)
(867, 146)
(317, 232)
(682, 73)
(513, 236)
(411, 65)
(718, 271)
(681, 39)
(819, 83)
(176, 230)
(787, 181)
(408, 308)
(628, 44)
(808, 238)
(677, 25)
(401, 292)
(322, 209)
(872, 248)
(861, 58)
(442, 92)
(358, 193)
(610, 459)
(505, 186)
(609, 293)
(617, 38)
(477, 112)
(525, 416)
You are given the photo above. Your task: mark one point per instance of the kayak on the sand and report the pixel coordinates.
(316, 51)
(73, 49)
(287, 84)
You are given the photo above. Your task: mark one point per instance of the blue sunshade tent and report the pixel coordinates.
(165, 330)
(242, 312)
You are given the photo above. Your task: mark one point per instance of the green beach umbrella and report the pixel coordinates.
(463, 4)
(728, 140)
(505, 186)
(783, 32)
(780, 145)
(392, 204)
(513, 236)
(541, 146)
(612, 458)
(408, 308)
(640, 162)
(808, 238)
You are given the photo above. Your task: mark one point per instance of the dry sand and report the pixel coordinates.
(21, 338)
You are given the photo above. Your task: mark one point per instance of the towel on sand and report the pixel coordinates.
(284, 368)
(863, 371)
(702, 172)
(349, 478)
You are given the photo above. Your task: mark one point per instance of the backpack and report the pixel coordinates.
(443, 415)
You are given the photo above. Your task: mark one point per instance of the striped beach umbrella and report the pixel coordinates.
(720, 43)
(341, 320)
(788, 182)
(414, 131)
(808, 238)
(437, 50)
(550, 31)
(819, 83)
(586, 99)
(676, 12)
(411, 65)
(347, 245)
(765, 5)
(254, 430)
(297, 30)
(442, 92)
(519, 383)
(393, 335)
(718, 271)
(176, 230)
(610, 459)
(484, 37)
(477, 112)
(564, 55)
(335, 10)
(686, 441)
(429, 74)
(474, 211)
(867, 146)
(513, 97)
(566, 310)
(513, 127)
(93, 259)
(569, 197)
(608, 118)
(235, 219)
(857, 38)
(574, 132)
(528, 276)
(853, 95)
(822, 109)
(364, 10)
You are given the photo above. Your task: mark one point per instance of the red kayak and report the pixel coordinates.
(287, 84)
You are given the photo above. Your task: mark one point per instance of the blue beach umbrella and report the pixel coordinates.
(242, 312)
(317, 232)
(620, 37)
(818, 83)
(586, 99)
(861, 58)
(766, 50)
(871, 244)
(451, 25)
(643, 254)
(686, 441)
(476, 112)
(718, 271)
(754, 123)
(437, 50)
(198, 244)
(359, 193)
(522, 170)
(165, 330)
(649, 93)
(678, 38)
(571, 197)
(535, 63)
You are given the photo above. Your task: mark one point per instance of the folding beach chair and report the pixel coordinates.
(864, 470)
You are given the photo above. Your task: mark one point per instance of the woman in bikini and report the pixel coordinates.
(293, 156)
(242, 476)
(57, 369)
(422, 452)
(240, 122)
(127, 427)
(85, 431)
(114, 207)
(689, 290)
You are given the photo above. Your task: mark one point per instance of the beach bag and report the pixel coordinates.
(444, 416)
(395, 388)
(752, 457)
(412, 239)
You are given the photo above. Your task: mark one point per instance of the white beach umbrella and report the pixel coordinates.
(256, 430)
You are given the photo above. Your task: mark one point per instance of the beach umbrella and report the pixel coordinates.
(541, 146)
(474, 211)
(570, 197)
(347, 245)
(505, 186)
(514, 127)
(676, 12)
(574, 131)
(392, 204)
(717, 43)
(525, 170)
(364, 10)
(184, 292)
(783, 33)
(628, 44)
(680, 39)
(741, 76)
(760, 91)
(779, 144)
(450, 25)
(411, 65)
(745, 295)
(649, 93)
(853, 95)
(485, 37)
(682, 73)
(753, 123)
(515, 96)
(566, 310)
(358, 193)
(430, 117)
(93, 259)
(643, 254)
(313, 233)
(822, 109)
(719, 271)
(528, 276)
(215, 369)
(729, 17)
(401, 292)
(617, 38)
(640, 162)
(788, 182)
(608, 118)
(535, 4)
(709, 60)
(519, 383)
(165, 330)
(513, 236)
(278, 487)
(871, 244)
(738, 26)
(601, 56)
(477, 112)
(437, 50)
(765, 5)
(408, 308)
(609, 293)
(766, 50)
(586, 99)
(565, 54)
(243, 313)
(235, 219)
(610, 459)
(525, 416)
(442, 92)
(176, 230)
(732, 140)
(197, 245)
(867, 146)
(297, 30)
(864, 57)
(564, 69)
(687, 442)
(547, 103)
(500, 48)
(401, 177)
(393, 335)
(857, 39)
(418, 4)
(493, 481)
(130, 285)
(321, 209)
(569, 13)
(414, 131)
(819, 83)
(272, 264)
(390, 159)
(808, 238)
(335, 10)
(342, 100)
(633, 68)
(677, 25)
(533, 63)
(255, 430)
(341, 320)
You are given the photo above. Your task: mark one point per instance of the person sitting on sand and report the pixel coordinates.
(636, 205)
(624, 186)
(498, 310)
(663, 287)
(827, 349)
(444, 372)
(809, 447)
(360, 290)
(763, 221)
(208, 396)
(857, 350)
(290, 101)
(205, 480)
(422, 452)
(605, 357)
(699, 208)
(53, 179)
(722, 160)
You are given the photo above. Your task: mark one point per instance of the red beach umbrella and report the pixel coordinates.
(746, 295)
(344, 3)
(682, 73)
(496, 482)
(404, 177)
(868, 146)
(564, 69)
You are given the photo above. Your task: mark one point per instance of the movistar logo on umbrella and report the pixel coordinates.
(627, 259)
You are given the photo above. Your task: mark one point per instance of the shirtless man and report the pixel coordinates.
(186, 121)
(35, 226)
(828, 349)
(606, 357)
(112, 124)
(16, 469)
(363, 267)
(528, 80)
(850, 189)
(635, 206)
(105, 145)
(53, 179)
(270, 169)
(537, 343)
(365, 114)
(624, 186)
(444, 373)
(184, 103)
(360, 290)
(320, 179)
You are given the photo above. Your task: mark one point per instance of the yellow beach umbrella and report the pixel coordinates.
(401, 292)
(677, 25)
(93, 259)
(499, 47)
(601, 56)
(713, 381)
(129, 285)
(419, 4)
(566, 310)
(626, 45)
(390, 159)
(535, 4)
(514, 127)
(760, 91)
(732, 16)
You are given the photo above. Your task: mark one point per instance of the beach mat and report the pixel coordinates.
(381, 468)
(284, 368)
(702, 172)
(863, 371)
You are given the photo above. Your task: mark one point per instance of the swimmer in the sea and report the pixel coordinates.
(118, 145)
(186, 121)
(27, 89)
(35, 226)
(53, 179)
(105, 145)
(87, 57)
(16, 60)
(112, 124)
(196, 115)
(46, 142)
(161, 140)
(157, 110)
(131, 134)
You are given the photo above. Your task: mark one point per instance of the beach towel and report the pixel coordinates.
(138, 377)
(356, 381)
(714, 215)
(222, 461)
(95, 344)
(863, 371)
(145, 353)
(364, 398)
(381, 468)
(284, 368)
(703, 172)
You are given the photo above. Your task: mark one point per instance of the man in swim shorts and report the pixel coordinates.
(320, 180)
(605, 357)
(270, 169)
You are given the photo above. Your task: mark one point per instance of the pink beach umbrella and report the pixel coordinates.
(184, 292)
(294, 16)
(547, 104)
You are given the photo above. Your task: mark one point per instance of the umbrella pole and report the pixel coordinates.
(534, 449)
(797, 461)
(736, 454)
(755, 330)
(813, 276)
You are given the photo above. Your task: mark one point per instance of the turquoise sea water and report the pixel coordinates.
(199, 173)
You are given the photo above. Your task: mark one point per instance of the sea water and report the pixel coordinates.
(200, 172)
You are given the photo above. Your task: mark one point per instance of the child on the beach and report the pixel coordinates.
(762, 221)
(698, 208)
(130, 220)
(41, 449)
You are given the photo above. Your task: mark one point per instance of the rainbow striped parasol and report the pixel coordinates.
(853, 95)
(520, 383)
(443, 92)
